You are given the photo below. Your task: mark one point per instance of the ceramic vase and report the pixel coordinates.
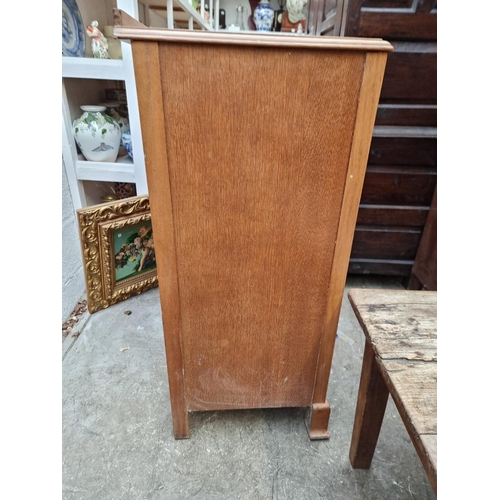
(113, 110)
(97, 134)
(127, 143)
(263, 16)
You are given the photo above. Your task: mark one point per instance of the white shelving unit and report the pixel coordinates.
(88, 71)
(78, 169)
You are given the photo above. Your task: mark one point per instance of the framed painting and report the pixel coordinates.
(118, 251)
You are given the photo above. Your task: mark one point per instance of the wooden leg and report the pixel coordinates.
(180, 423)
(317, 418)
(414, 283)
(372, 401)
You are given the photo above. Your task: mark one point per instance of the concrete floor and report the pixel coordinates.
(117, 428)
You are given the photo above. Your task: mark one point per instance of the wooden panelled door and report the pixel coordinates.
(402, 166)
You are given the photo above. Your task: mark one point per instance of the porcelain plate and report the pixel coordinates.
(73, 34)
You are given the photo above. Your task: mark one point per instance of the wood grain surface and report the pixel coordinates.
(257, 183)
(365, 118)
(255, 157)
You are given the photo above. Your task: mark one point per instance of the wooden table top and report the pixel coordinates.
(401, 326)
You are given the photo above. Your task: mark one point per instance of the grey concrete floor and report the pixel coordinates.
(117, 428)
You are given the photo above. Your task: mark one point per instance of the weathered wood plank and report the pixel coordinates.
(381, 297)
(430, 444)
(415, 385)
(401, 329)
(399, 325)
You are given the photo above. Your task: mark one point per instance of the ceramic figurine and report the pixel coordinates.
(263, 16)
(206, 14)
(296, 10)
(99, 41)
(240, 10)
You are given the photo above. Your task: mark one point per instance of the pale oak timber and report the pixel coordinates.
(151, 111)
(256, 202)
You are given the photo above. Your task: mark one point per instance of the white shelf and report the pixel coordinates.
(120, 171)
(95, 69)
(79, 76)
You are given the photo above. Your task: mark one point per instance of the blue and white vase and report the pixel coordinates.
(263, 16)
(127, 142)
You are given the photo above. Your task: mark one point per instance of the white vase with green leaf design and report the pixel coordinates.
(97, 134)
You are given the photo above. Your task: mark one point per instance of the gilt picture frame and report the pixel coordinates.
(118, 251)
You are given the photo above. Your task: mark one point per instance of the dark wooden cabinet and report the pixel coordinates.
(402, 165)
(424, 271)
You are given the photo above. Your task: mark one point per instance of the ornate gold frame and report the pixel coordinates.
(97, 225)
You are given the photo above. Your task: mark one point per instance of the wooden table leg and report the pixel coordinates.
(372, 401)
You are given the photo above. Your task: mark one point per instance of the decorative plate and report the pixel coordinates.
(73, 34)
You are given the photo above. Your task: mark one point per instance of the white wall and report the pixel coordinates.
(73, 280)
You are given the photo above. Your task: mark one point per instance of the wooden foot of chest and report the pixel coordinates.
(317, 418)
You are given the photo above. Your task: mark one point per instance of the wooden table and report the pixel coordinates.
(401, 359)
